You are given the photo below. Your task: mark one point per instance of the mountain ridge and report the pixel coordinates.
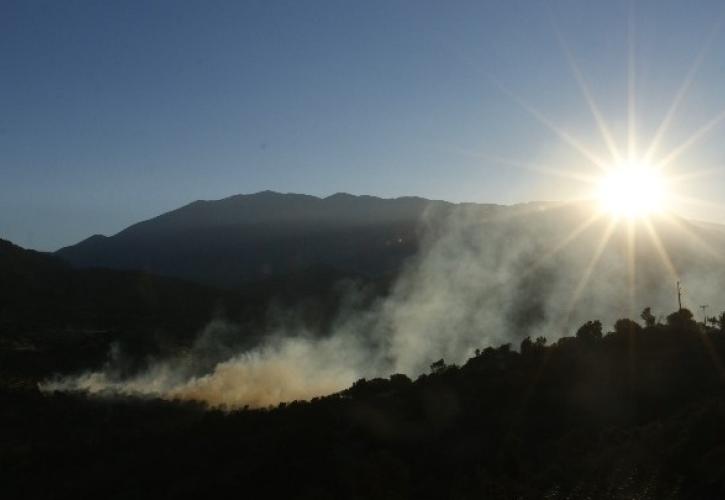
(238, 239)
(247, 238)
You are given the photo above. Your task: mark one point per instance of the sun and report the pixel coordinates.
(634, 181)
(633, 190)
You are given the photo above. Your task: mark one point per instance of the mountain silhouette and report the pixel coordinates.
(246, 238)
(530, 263)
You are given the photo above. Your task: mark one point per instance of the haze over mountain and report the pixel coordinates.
(541, 252)
(458, 277)
(245, 238)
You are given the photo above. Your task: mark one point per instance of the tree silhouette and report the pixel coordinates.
(720, 320)
(681, 318)
(590, 331)
(438, 366)
(626, 326)
(587, 417)
(648, 318)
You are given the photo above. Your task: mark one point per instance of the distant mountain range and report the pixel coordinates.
(303, 242)
(246, 238)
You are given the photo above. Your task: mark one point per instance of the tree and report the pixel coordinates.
(530, 347)
(590, 331)
(681, 318)
(720, 320)
(526, 346)
(626, 326)
(400, 379)
(438, 366)
(648, 318)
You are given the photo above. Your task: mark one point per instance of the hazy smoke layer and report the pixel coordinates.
(484, 276)
(281, 370)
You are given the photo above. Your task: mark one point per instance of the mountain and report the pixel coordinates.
(244, 238)
(40, 290)
(527, 263)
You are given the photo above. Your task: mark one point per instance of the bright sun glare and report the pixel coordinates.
(632, 190)
(630, 179)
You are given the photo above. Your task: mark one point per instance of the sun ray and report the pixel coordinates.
(689, 200)
(695, 237)
(681, 93)
(529, 208)
(584, 281)
(631, 87)
(533, 167)
(696, 174)
(570, 238)
(523, 164)
(556, 172)
(661, 250)
(563, 135)
(631, 264)
(586, 93)
(631, 250)
(693, 139)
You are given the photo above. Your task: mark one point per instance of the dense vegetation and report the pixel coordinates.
(634, 413)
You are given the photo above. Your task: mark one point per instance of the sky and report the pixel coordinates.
(114, 112)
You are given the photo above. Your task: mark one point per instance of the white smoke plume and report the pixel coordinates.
(484, 276)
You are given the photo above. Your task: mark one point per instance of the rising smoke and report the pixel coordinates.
(484, 276)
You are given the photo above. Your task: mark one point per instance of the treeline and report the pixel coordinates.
(637, 412)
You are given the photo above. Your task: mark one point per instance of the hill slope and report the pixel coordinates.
(636, 413)
(244, 238)
(54, 318)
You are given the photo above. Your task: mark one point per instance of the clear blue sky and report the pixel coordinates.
(112, 112)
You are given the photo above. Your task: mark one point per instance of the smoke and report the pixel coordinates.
(284, 369)
(483, 276)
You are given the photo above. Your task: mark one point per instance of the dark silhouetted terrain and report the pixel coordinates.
(244, 238)
(635, 413)
(56, 319)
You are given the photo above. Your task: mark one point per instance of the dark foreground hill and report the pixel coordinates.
(57, 319)
(635, 413)
(246, 238)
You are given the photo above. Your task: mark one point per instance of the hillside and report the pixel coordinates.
(634, 413)
(243, 238)
(56, 319)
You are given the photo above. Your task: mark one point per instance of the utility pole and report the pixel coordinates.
(704, 313)
(679, 296)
